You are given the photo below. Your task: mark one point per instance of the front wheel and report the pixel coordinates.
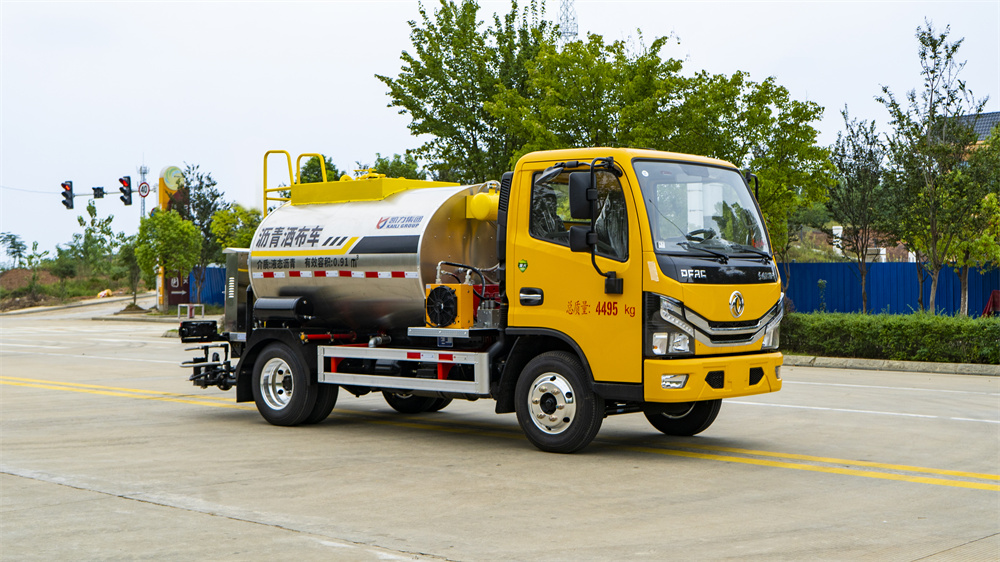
(281, 387)
(686, 419)
(555, 407)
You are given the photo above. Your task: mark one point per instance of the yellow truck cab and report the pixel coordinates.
(585, 283)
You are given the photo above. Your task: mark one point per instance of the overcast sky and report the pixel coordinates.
(89, 91)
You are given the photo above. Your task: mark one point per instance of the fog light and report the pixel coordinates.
(673, 381)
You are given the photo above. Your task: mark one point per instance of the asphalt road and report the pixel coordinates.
(107, 452)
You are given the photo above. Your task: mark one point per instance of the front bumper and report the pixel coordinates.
(712, 378)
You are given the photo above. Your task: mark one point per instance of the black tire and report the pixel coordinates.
(406, 403)
(326, 399)
(439, 404)
(282, 386)
(551, 385)
(691, 418)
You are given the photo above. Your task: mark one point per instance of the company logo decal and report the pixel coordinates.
(736, 304)
(522, 265)
(388, 223)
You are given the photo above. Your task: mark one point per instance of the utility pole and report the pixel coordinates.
(143, 170)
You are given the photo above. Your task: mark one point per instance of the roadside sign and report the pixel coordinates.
(143, 189)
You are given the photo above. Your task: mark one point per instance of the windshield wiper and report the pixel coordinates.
(723, 258)
(751, 249)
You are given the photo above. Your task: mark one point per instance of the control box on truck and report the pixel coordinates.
(584, 284)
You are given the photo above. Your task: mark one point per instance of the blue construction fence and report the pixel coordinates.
(892, 288)
(213, 290)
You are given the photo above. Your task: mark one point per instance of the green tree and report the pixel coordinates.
(458, 65)
(33, 261)
(234, 227)
(166, 240)
(856, 199)
(399, 167)
(95, 247)
(129, 264)
(981, 248)
(63, 266)
(205, 200)
(933, 198)
(311, 172)
(13, 246)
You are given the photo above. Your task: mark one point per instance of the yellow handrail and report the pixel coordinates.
(291, 180)
(298, 166)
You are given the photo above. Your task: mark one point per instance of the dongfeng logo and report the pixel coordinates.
(736, 304)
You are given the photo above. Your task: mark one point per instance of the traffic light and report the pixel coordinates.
(126, 189)
(98, 192)
(67, 194)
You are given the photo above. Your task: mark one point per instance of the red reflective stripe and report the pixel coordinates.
(345, 273)
(268, 274)
(293, 274)
(319, 274)
(398, 274)
(446, 357)
(371, 274)
(412, 355)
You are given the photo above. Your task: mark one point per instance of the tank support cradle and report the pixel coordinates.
(218, 371)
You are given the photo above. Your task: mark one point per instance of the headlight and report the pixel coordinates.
(668, 332)
(772, 336)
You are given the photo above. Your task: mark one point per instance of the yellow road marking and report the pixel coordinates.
(224, 402)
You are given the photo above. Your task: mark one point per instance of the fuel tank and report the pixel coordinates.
(364, 264)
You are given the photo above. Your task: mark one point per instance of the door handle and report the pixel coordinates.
(530, 296)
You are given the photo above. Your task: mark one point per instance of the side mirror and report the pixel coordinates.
(581, 238)
(581, 195)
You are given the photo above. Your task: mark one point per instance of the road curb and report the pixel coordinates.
(79, 304)
(887, 365)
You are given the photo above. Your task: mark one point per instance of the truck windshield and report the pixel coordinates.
(700, 210)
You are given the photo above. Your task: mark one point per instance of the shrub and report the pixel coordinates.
(912, 337)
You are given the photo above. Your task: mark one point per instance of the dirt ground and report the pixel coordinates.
(15, 279)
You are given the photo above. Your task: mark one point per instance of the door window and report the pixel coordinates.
(550, 219)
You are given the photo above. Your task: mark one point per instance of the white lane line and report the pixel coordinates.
(8, 344)
(892, 388)
(70, 355)
(861, 411)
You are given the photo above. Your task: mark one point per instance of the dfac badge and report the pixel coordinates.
(736, 304)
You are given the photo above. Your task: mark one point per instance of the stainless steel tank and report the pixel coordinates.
(364, 264)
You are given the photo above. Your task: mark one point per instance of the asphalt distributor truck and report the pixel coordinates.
(585, 283)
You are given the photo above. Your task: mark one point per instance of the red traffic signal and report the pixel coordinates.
(67, 194)
(126, 189)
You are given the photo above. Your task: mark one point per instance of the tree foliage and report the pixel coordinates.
(205, 199)
(167, 240)
(856, 199)
(128, 261)
(13, 246)
(933, 196)
(234, 227)
(95, 247)
(398, 167)
(311, 172)
(457, 66)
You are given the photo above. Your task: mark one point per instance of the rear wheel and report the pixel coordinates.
(281, 387)
(555, 407)
(406, 403)
(686, 419)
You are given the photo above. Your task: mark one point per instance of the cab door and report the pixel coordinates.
(553, 288)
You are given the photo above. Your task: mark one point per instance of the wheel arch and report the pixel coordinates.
(259, 340)
(529, 343)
